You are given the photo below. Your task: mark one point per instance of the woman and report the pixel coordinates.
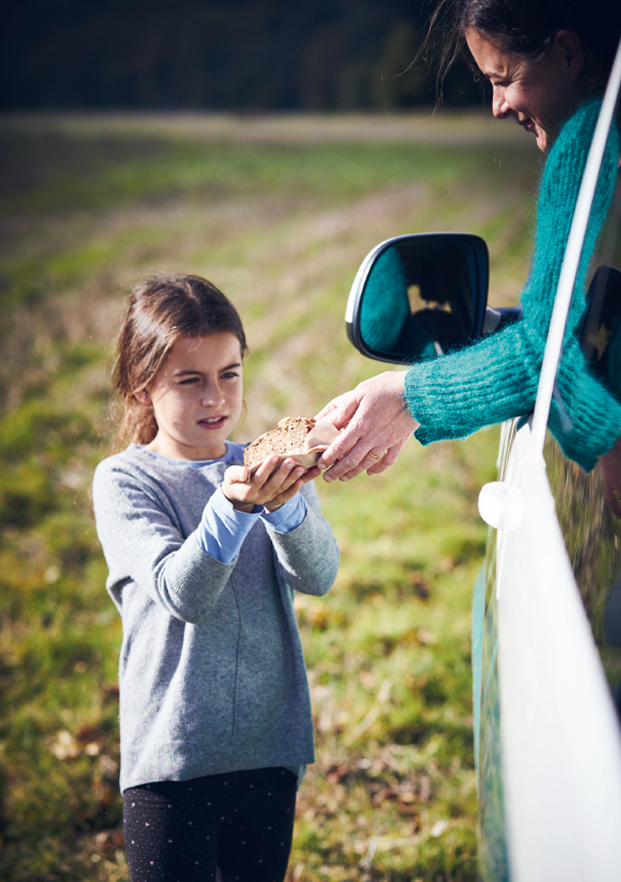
(547, 64)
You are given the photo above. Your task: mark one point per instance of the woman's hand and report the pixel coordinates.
(376, 424)
(611, 471)
(271, 485)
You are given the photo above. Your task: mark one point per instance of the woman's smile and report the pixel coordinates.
(540, 94)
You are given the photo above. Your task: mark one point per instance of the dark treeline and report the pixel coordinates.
(249, 55)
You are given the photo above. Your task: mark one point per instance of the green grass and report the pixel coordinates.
(280, 222)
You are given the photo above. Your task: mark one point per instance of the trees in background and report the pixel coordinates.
(249, 55)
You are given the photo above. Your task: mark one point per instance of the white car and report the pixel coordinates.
(547, 603)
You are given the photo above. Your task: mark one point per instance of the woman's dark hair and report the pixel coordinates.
(528, 28)
(161, 310)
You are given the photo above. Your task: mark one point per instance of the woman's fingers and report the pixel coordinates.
(377, 429)
(373, 462)
(353, 464)
(337, 407)
(389, 458)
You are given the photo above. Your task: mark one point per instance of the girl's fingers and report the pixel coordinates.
(272, 484)
(288, 473)
(237, 474)
(285, 496)
(265, 471)
(273, 478)
(311, 474)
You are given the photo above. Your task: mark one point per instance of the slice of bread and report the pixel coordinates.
(289, 436)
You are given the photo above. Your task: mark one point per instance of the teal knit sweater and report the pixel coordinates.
(496, 379)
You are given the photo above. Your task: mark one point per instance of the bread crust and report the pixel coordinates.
(289, 437)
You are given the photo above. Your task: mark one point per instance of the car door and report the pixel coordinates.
(546, 643)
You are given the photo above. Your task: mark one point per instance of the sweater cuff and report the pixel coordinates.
(288, 516)
(223, 528)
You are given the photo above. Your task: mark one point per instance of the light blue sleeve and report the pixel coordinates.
(288, 516)
(222, 529)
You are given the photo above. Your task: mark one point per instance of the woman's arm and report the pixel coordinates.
(497, 378)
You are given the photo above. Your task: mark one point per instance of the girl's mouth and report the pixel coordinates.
(212, 422)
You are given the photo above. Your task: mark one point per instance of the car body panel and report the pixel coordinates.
(557, 789)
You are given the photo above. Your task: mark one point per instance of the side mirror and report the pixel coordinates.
(417, 296)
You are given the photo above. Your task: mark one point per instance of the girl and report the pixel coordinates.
(216, 724)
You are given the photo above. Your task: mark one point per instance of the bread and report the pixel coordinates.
(298, 437)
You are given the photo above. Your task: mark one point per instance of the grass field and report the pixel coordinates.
(278, 212)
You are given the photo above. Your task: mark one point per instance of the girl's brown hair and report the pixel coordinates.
(161, 310)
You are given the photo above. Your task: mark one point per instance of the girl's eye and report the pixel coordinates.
(189, 381)
(230, 375)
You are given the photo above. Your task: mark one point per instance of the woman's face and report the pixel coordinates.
(539, 94)
(197, 397)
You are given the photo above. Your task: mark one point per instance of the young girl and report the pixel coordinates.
(216, 724)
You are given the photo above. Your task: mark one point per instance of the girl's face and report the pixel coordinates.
(539, 94)
(197, 397)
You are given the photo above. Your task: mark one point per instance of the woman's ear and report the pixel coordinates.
(142, 396)
(568, 46)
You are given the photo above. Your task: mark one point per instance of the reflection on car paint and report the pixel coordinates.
(593, 540)
(492, 857)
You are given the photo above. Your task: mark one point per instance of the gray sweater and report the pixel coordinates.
(212, 676)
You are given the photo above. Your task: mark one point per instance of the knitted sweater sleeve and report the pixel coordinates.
(308, 555)
(496, 379)
(144, 546)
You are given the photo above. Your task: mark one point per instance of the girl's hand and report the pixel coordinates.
(378, 424)
(271, 485)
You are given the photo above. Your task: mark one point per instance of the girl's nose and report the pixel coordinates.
(212, 395)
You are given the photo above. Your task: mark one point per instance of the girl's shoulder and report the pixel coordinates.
(130, 466)
(129, 458)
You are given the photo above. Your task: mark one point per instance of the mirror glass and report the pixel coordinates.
(423, 295)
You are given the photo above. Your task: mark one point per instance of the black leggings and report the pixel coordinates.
(241, 822)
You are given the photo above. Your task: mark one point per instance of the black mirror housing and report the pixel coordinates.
(417, 296)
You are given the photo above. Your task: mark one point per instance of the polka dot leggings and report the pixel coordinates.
(241, 823)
